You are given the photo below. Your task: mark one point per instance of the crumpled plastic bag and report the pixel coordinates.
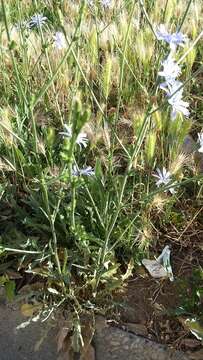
(161, 267)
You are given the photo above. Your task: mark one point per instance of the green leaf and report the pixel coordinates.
(98, 169)
(195, 326)
(50, 137)
(12, 45)
(3, 279)
(10, 289)
(1, 249)
(111, 272)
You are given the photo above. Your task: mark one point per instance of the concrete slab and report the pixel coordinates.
(20, 345)
(116, 344)
(110, 343)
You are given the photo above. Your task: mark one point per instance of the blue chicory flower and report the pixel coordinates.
(106, 3)
(174, 39)
(37, 20)
(59, 40)
(178, 105)
(88, 171)
(81, 140)
(170, 71)
(164, 177)
(200, 141)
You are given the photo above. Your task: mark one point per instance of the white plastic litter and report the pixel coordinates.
(161, 267)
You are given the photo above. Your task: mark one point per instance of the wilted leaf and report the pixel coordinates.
(80, 341)
(29, 310)
(159, 308)
(23, 325)
(53, 291)
(129, 270)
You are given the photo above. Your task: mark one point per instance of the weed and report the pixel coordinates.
(95, 100)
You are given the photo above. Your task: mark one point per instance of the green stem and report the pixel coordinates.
(51, 218)
(19, 251)
(51, 72)
(73, 205)
(184, 16)
(34, 130)
(48, 83)
(123, 61)
(52, 223)
(190, 48)
(164, 13)
(20, 87)
(147, 17)
(130, 164)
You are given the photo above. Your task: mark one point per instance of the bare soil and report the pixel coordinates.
(148, 305)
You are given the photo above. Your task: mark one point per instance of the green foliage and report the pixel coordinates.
(191, 295)
(82, 234)
(9, 287)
